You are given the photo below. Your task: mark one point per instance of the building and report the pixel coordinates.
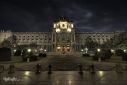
(63, 38)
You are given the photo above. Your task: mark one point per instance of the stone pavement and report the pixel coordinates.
(64, 78)
(63, 63)
(65, 72)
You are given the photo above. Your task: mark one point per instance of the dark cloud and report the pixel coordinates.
(87, 15)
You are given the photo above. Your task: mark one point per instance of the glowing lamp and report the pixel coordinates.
(57, 30)
(69, 30)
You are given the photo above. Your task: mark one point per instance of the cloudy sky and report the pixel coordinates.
(87, 15)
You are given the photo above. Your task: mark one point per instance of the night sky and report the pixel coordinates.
(87, 15)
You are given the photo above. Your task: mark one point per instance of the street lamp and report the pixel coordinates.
(98, 50)
(14, 50)
(82, 50)
(57, 30)
(69, 30)
(45, 50)
(113, 51)
(99, 58)
(86, 49)
(124, 51)
(29, 50)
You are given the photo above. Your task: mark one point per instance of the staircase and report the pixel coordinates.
(64, 63)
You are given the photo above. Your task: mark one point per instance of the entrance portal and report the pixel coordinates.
(63, 49)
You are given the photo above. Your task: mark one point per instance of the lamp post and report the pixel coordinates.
(82, 51)
(29, 50)
(98, 50)
(113, 51)
(86, 50)
(124, 51)
(14, 50)
(99, 58)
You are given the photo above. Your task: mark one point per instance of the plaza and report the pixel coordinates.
(64, 71)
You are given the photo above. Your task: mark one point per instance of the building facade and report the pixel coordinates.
(63, 38)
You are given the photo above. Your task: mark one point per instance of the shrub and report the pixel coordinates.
(17, 53)
(102, 55)
(124, 57)
(86, 54)
(106, 53)
(31, 58)
(42, 55)
(119, 52)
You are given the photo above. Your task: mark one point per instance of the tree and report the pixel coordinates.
(13, 40)
(6, 43)
(90, 44)
(119, 52)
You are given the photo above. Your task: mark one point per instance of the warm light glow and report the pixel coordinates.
(63, 25)
(98, 50)
(69, 30)
(41, 49)
(82, 50)
(28, 50)
(72, 25)
(54, 26)
(86, 49)
(68, 47)
(27, 73)
(14, 50)
(45, 50)
(124, 50)
(58, 47)
(101, 73)
(112, 50)
(57, 30)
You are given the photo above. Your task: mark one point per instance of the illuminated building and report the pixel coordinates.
(63, 37)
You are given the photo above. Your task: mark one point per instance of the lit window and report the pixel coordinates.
(57, 30)
(69, 30)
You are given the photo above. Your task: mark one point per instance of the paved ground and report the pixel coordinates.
(65, 72)
(64, 63)
(64, 78)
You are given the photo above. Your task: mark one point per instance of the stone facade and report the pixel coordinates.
(63, 37)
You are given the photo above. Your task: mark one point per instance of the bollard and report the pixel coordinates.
(119, 68)
(99, 59)
(92, 69)
(49, 69)
(11, 69)
(38, 69)
(80, 69)
(1, 68)
(28, 59)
